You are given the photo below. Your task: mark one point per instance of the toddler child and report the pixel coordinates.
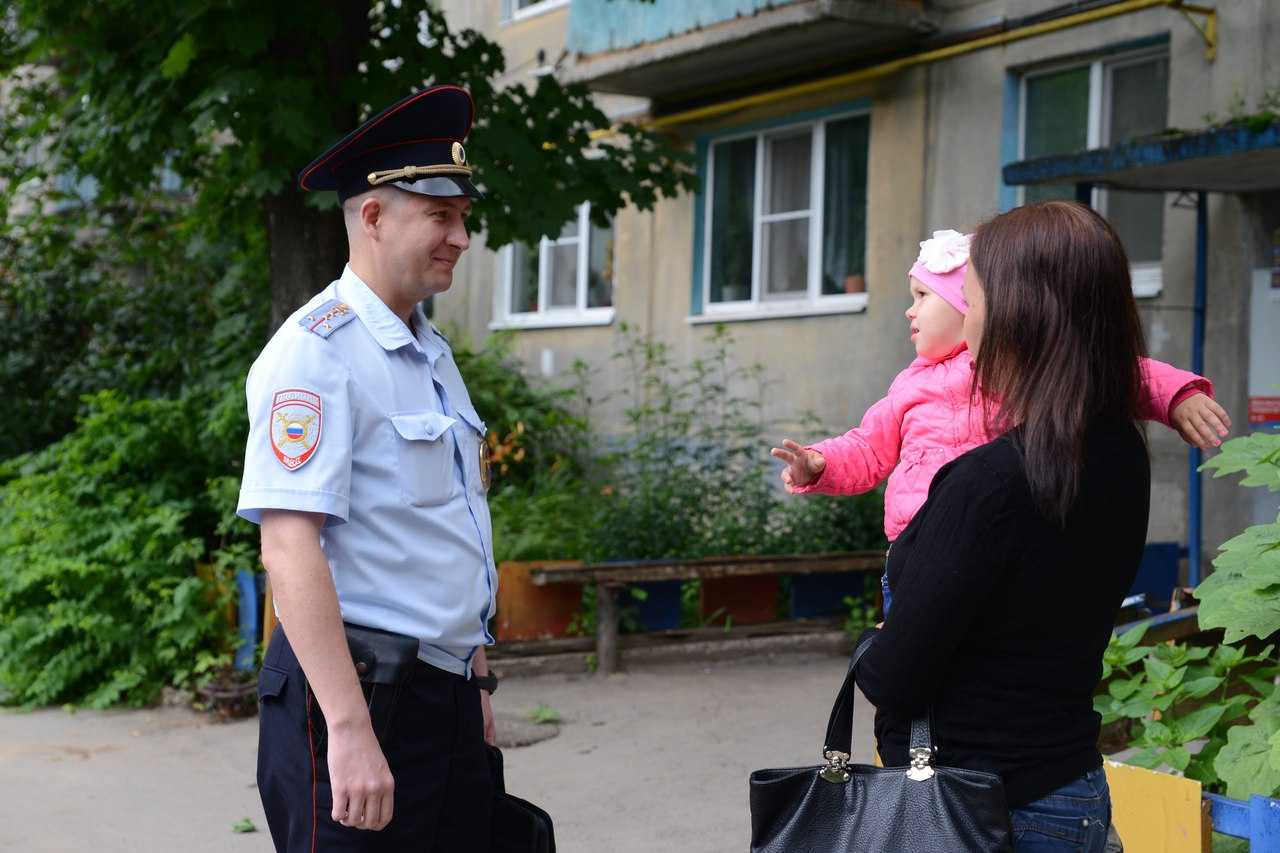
(926, 419)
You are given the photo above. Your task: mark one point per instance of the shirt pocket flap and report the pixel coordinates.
(472, 417)
(421, 426)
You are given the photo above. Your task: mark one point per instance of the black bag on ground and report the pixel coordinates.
(857, 807)
(518, 826)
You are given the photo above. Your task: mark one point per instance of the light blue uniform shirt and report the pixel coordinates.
(371, 424)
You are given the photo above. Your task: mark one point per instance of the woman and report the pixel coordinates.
(1007, 582)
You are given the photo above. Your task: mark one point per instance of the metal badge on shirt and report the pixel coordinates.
(486, 464)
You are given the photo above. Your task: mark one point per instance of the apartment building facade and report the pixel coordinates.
(827, 149)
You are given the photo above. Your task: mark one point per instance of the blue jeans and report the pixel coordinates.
(1073, 818)
(884, 587)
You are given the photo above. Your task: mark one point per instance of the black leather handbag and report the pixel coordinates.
(517, 826)
(857, 807)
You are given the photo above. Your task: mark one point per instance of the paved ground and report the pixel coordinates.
(651, 760)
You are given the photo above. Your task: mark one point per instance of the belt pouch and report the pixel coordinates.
(384, 662)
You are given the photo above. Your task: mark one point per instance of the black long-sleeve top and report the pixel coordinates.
(999, 618)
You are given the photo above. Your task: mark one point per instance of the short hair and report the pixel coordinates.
(387, 196)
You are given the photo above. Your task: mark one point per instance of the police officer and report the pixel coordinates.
(365, 468)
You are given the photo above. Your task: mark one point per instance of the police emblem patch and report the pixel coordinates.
(295, 426)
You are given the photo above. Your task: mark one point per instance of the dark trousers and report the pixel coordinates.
(434, 745)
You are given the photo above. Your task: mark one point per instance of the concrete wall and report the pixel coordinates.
(937, 136)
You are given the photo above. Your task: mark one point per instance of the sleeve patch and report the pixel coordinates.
(295, 426)
(328, 318)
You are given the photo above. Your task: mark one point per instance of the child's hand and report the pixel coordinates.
(1200, 421)
(803, 466)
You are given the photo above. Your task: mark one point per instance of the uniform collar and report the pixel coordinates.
(387, 329)
(429, 339)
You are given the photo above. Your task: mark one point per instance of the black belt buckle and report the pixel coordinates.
(384, 663)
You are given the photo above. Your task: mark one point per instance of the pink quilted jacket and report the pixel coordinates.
(926, 420)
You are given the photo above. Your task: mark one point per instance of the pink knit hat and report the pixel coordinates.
(941, 266)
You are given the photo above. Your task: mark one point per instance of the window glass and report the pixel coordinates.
(787, 161)
(1057, 122)
(844, 221)
(524, 279)
(786, 257)
(732, 220)
(1139, 106)
(600, 271)
(778, 207)
(1139, 99)
(551, 273)
(564, 275)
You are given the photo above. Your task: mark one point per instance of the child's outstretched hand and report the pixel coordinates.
(1200, 421)
(803, 466)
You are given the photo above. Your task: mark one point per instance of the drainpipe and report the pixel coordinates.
(1194, 508)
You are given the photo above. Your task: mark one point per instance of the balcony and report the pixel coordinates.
(669, 47)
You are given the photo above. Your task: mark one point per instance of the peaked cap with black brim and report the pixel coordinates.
(415, 145)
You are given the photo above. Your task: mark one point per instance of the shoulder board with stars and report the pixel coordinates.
(328, 318)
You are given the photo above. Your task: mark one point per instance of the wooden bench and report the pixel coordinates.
(610, 577)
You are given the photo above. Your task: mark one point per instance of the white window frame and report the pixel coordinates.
(761, 305)
(1147, 277)
(511, 14)
(547, 316)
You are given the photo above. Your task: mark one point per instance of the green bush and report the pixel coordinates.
(100, 535)
(531, 430)
(691, 476)
(127, 332)
(139, 298)
(1179, 697)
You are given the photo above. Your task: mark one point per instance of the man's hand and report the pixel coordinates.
(486, 710)
(1200, 421)
(363, 789)
(803, 466)
(303, 592)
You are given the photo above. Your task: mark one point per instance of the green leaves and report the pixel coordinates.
(179, 57)
(101, 602)
(1198, 723)
(1247, 764)
(1242, 595)
(1202, 697)
(1187, 700)
(1258, 455)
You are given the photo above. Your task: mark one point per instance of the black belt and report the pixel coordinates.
(385, 657)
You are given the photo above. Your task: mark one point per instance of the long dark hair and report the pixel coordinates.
(1061, 338)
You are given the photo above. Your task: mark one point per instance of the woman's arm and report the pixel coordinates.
(957, 553)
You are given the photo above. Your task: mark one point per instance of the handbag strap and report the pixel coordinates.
(840, 725)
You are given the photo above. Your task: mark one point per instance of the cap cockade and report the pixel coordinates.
(416, 145)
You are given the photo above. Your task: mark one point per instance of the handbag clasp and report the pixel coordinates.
(835, 770)
(921, 764)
